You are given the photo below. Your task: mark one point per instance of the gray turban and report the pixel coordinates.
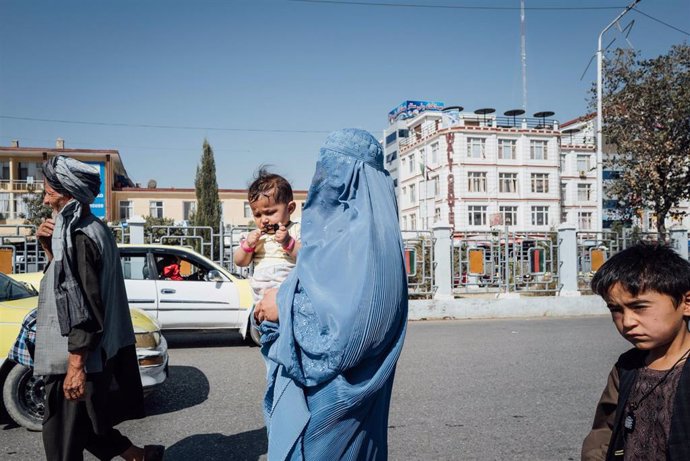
(69, 176)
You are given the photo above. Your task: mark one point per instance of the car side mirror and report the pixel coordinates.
(215, 276)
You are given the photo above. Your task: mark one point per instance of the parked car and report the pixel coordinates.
(205, 295)
(22, 393)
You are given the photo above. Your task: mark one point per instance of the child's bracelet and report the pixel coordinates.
(245, 247)
(290, 245)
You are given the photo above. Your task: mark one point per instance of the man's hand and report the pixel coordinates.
(45, 235)
(267, 308)
(74, 387)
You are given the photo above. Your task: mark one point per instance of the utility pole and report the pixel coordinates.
(600, 118)
(523, 55)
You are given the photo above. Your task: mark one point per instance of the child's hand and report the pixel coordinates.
(282, 235)
(253, 237)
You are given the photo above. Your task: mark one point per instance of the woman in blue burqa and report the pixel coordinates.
(333, 332)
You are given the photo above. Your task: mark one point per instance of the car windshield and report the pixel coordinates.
(11, 289)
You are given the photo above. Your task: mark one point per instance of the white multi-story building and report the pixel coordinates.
(474, 171)
(579, 190)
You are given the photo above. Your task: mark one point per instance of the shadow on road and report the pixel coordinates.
(246, 446)
(182, 339)
(184, 388)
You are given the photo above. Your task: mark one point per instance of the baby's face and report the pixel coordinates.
(268, 213)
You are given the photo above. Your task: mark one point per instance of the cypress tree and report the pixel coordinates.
(207, 201)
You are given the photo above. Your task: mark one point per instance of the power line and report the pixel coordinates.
(167, 127)
(456, 7)
(662, 22)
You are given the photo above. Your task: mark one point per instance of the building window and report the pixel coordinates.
(506, 149)
(437, 215)
(125, 210)
(404, 222)
(403, 162)
(540, 183)
(583, 163)
(4, 171)
(537, 150)
(436, 185)
(156, 209)
(4, 204)
(434, 153)
(404, 192)
(540, 215)
(412, 162)
(564, 216)
(562, 162)
(413, 221)
(188, 209)
(476, 215)
(584, 192)
(584, 220)
(390, 139)
(509, 214)
(248, 213)
(564, 192)
(507, 182)
(475, 147)
(21, 207)
(476, 181)
(413, 194)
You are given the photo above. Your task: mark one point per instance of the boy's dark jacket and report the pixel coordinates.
(608, 429)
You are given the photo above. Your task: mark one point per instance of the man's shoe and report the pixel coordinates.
(153, 452)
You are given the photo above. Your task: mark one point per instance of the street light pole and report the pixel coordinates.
(600, 146)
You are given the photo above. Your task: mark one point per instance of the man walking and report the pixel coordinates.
(84, 336)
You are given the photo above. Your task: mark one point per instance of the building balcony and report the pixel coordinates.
(20, 185)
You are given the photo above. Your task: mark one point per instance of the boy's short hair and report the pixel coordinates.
(645, 267)
(265, 182)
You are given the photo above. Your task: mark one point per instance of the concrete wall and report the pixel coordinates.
(487, 308)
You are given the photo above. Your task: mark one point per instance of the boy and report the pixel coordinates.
(274, 245)
(644, 411)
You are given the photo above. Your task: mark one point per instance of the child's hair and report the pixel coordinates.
(266, 183)
(645, 267)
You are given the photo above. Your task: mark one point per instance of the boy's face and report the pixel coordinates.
(266, 211)
(649, 320)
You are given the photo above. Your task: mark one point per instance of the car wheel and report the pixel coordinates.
(24, 397)
(254, 335)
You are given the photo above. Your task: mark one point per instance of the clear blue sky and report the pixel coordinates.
(305, 68)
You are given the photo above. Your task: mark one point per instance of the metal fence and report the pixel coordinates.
(419, 263)
(505, 261)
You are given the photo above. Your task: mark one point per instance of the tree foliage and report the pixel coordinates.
(207, 201)
(36, 211)
(646, 112)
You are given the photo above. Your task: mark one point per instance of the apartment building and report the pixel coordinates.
(474, 170)
(21, 177)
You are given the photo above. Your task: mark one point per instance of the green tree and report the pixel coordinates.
(647, 125)
(208, 206)
(36, 210)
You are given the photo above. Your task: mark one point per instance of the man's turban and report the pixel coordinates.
(69, 176)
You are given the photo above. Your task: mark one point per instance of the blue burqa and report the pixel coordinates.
(342, 313)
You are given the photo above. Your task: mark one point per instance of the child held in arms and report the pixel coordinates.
(644, 411)
(274, 244)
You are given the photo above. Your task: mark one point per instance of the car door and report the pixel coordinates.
(139, 280)
(195, 302)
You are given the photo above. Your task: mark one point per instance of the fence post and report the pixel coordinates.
(136, 230)
(567, 260)
(679, 240)
(443, 273)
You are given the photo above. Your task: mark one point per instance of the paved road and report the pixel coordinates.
(465, 390)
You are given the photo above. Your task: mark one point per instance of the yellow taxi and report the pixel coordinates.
(23, 393)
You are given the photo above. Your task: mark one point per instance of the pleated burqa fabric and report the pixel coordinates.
(343, 313)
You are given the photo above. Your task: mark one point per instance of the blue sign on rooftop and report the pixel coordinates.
(409, 109)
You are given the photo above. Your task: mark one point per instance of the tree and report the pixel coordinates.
(647, 123)
(208, 204)
(36, 211)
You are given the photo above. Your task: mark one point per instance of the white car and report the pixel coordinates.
(203, 296)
